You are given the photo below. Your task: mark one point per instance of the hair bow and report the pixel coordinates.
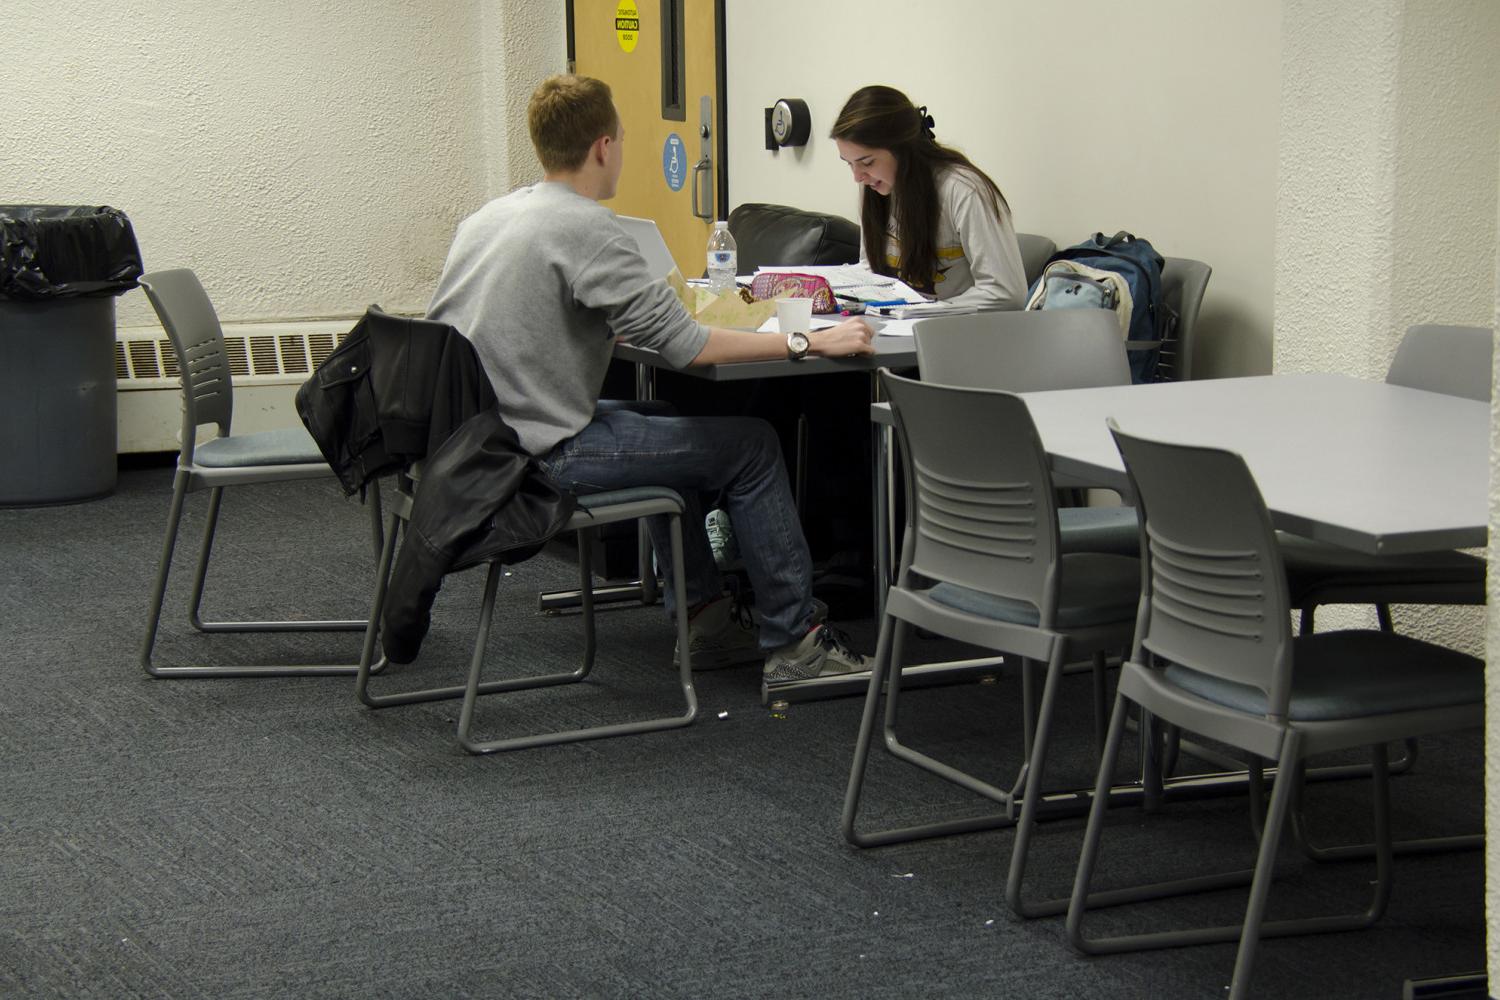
(927, 122)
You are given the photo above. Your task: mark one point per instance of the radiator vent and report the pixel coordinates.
(262, 352)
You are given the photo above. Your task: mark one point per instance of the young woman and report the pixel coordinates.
(927, 215)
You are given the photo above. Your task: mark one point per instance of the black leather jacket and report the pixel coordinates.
(392, 393)
(400, 390)
(481, 498)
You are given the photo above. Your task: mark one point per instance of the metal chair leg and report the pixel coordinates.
(1101, 701)
(1253, 928)
(200, 577)
(1364, 852)
(473, 689)
(163, 570)
(885, 675)
(180, 484)
(1032, 794)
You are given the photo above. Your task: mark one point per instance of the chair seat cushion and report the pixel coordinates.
(1312, 566)
(1099, 529)
(1353, 674)
(285, 446)
(631, 494)
(1097, 588)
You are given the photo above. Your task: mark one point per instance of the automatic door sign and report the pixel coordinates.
(674, 164)
(627, 25)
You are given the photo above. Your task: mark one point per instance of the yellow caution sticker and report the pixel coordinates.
(627, 25)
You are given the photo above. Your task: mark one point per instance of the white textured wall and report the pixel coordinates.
(1492, 675)
(1386, 208)
(306, 157)
(1387, 216)
(1386, 196)
(1334, 255)
(524, 42)
(1160, 118)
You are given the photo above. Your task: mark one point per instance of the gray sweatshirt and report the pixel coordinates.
(542, 281)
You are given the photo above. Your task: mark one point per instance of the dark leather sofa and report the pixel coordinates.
(771, 235)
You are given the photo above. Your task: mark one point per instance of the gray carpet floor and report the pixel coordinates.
(272, 838)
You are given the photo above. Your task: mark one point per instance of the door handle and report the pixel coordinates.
(703, 166)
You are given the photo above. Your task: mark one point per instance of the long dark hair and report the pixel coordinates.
(884, 118)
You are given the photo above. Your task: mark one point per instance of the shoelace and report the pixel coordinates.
(835, 639)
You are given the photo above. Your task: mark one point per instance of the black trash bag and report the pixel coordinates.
(61, 251)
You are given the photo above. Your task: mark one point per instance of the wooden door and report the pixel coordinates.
(663, 61)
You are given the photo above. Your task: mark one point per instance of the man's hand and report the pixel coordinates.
(849, 338)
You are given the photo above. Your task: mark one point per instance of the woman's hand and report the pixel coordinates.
(849, 338)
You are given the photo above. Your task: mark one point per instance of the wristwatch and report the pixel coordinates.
(797, 346)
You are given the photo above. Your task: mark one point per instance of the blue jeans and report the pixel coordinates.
(621, 448)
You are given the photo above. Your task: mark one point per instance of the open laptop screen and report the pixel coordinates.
(648, 238)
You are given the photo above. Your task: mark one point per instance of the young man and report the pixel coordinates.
(543, 281)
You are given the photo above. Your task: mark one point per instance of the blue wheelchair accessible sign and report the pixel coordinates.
(674, 164)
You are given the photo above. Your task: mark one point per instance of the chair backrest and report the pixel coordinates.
(1034, 253)
(1183, 282)
(1024, 351)
(1215, 589)
(980, 507)
(1453, 360)
(778, 235)
(193, 328)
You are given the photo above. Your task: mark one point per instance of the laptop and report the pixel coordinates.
(649, 240)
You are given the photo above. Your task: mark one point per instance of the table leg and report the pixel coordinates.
(882, 481)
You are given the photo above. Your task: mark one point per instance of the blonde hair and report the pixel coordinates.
(566, 115)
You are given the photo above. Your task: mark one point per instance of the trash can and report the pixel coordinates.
(61, 268)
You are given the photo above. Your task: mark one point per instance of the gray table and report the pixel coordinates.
(1373, 467)
(890, 352)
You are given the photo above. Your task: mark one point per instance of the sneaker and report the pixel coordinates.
(721, 539)
(822, 652)
(722, 634)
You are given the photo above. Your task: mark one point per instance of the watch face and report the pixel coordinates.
(798, 342)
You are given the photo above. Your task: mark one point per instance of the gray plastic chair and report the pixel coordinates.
(594, 512)
(1034, 253)
(1034, 351)
(1183, 282)
(1455, 361)
(981, 563)
(1023, 351)
(1452, 360)
(231, 459)
(1214, 654)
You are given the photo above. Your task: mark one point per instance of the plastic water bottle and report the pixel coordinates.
(723, 259)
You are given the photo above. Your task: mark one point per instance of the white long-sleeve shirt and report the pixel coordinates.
(979, 261)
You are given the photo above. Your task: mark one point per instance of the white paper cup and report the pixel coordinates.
(794, 315)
